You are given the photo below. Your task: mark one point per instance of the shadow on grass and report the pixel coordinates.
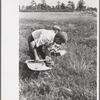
(25, 72)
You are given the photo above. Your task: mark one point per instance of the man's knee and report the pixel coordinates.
(29, 39)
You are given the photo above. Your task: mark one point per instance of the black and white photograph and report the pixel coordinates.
(58, 50)
(57, 54)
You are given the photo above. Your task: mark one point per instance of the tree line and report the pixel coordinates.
(59, 7)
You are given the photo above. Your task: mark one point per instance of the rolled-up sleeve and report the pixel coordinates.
(41, 41)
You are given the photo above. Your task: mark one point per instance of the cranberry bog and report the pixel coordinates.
(74, 76)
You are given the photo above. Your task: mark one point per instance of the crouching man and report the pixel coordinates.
(40, 40)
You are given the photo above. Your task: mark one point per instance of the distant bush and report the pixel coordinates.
(90, 12)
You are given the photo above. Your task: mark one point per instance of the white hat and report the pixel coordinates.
(56, 27)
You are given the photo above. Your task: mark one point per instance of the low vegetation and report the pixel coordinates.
(74, 74)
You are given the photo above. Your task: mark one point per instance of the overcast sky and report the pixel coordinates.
(90, 3)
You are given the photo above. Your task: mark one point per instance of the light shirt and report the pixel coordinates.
(43, 36)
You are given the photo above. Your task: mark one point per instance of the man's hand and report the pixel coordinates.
(49, 62)
(37, 59)
(48, 58)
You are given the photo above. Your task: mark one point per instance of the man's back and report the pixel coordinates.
(42, 36)
(36, 34)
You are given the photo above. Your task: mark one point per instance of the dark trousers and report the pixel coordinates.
(40, 50)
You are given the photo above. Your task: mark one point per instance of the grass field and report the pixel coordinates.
(74, 75)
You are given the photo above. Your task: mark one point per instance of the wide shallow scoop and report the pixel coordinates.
(37, 66)
(62, 52)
